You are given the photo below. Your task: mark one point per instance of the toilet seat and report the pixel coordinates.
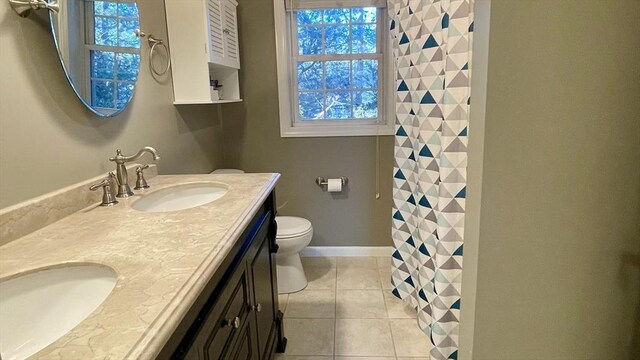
(292, 227)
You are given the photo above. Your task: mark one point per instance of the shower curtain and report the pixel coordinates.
(432, 51)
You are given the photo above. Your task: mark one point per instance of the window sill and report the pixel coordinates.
(336, 131)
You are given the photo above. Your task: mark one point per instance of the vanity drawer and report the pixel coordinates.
(231, 321)
(224, 320)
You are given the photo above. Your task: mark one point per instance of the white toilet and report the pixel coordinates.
(294, 234)
(227, 171)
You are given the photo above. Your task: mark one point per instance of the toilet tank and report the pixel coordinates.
(227, 171)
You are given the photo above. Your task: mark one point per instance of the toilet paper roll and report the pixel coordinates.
(334, 185)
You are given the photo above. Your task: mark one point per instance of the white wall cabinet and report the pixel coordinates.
(203, 38)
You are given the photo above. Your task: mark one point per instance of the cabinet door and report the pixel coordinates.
(223, 33)
(246, 347)
(230, 33)
(216, 31)
(263, 293)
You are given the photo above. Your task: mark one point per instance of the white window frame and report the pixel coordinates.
(287, 88)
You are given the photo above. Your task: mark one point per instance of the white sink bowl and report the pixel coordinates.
(180, 197)
(38, 308)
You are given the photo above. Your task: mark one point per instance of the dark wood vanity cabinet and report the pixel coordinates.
(237, 317)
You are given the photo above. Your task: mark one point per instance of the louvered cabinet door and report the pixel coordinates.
(223, 33)
(230, 34)
(216, 31)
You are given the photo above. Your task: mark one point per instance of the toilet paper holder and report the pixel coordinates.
(323, 181)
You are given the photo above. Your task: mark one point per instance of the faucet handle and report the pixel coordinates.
(141, 182)
(118, 154)
(107, 196)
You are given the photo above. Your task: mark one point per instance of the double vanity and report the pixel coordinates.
(183, 269)
(171, 267)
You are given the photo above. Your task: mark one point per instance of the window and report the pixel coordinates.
(112, 51)
(333, 68)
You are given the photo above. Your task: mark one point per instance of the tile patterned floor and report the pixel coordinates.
(348, 313)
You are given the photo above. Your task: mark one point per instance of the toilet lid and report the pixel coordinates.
(290, 226)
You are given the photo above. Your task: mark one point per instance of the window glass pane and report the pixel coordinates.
(125, 92)
(127, 34)
(364, 39)
(365, 104)
(102, 94)
(338, 105)
(105, 8)
(364, 15)
(128, 10)
(338, 75)
(309, 40)
(309, 75)
(311, 105)
(106, 31)
(128, 65)
(365, 74)
(336, 39)
(341, 89)
(309, 16)
(337, 16)
(102, 64)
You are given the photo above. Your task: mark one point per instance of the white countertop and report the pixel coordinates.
(163, 260)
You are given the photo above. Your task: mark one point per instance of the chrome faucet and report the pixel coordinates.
(121, 170)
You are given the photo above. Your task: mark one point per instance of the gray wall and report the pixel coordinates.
(253, 143)
(558, 267)
(48, 140)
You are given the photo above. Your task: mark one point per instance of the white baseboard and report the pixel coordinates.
(347, 251)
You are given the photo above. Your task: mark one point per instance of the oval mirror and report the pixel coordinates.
(99, 50)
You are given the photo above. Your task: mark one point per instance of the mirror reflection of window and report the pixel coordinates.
(111, 53)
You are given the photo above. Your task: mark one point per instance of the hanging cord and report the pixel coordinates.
(283, 205)
(377, 167)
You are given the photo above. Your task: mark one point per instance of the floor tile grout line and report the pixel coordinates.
(393, 340)
(386, 309)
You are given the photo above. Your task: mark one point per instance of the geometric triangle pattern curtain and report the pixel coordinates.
(432, 50)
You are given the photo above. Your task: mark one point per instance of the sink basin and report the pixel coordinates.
(180, 197)
(38, 308)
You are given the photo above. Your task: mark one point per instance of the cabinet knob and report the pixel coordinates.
(226, 31)
(257, 308)
(235, 323)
